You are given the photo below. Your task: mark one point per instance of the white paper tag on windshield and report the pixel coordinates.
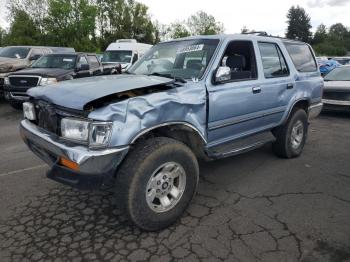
(190, 48)
(67, 60)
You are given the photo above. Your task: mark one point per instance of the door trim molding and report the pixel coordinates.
(240, 119)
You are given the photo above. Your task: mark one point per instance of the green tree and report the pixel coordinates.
(298, 24)
(178, 30)
(338, 32)
(202, 23)
(2, 36)
(23, 30)
(320, 34)
(71, 23)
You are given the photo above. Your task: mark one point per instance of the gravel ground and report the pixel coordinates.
(253, 207)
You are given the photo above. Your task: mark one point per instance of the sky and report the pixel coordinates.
(260, 15)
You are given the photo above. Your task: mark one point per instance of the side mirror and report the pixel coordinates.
(223, 73)
(34, 57)
(84, 67)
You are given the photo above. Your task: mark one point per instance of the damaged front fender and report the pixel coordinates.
(135, 116)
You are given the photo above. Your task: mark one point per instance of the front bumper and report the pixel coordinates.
(314, 110)
(336, 105)
(96, 167)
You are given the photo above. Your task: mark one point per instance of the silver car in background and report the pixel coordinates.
(336, 94)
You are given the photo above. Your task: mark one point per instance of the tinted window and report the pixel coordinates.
(273, 61)
(302, 57)
(55, 61)
(93, 61)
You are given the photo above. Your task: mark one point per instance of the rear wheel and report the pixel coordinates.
(291, 137)
(156, 182)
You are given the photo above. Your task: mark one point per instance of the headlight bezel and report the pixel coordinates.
(6, 81)
(47, 81)
(91, 124)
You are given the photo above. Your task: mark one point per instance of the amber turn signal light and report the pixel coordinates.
(68, 163)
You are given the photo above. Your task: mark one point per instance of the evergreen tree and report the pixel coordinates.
(298, 24)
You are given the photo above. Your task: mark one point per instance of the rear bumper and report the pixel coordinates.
(315, 110)
(96, 167)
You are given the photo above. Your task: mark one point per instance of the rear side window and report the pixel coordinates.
(273, 61)
(302, 57)
(93, 61)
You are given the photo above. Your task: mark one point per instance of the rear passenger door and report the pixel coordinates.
(277, 82)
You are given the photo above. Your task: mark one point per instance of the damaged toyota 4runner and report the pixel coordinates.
(142, 132)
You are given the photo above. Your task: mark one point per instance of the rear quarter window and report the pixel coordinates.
(302, 57)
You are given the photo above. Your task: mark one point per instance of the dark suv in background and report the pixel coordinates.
(50, 69)
(14, 58)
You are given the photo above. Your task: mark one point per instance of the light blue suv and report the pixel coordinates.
(142, 132)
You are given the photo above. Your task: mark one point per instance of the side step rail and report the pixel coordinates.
(240, 145)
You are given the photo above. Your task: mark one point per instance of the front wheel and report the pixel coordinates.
(156, 182)
(291, 137)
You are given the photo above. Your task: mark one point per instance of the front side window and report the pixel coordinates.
(93, 61)
(117, 56)
(82, 61)
(302, 57)
(239, 56)
(273, 61)
(55, 61)
(185, 59)
(14, 52)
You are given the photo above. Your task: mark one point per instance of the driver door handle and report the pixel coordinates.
(256, 89)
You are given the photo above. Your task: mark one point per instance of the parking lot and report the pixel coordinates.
(253, 207)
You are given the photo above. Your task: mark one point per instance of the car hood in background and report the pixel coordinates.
(77, 93)
(44, 72)
(336, 85)
(11, 64)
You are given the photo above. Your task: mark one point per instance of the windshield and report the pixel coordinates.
(14, 52)
(186, 59)
(118, 56)
(339, 74)
(56, 61)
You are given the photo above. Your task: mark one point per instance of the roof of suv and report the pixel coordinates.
(232, 36)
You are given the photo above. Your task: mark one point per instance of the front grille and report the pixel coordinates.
(24, 81)
(47, 117)
(343, 96)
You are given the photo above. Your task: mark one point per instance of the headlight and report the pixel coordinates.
(47, 81)
(75, 129)
(29, 111)
(6, 81)
(97, 134)
(100, 134)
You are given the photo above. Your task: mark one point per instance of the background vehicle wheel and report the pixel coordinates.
(156, 182)
(291, 137)
(16, 105)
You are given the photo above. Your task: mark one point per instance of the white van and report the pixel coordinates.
(124, 52)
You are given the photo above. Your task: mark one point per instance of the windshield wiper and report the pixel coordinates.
(176, 78)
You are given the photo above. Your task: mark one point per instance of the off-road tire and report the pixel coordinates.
(282, 147)
(135, 172)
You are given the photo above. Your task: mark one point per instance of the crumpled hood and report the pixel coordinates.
(44, 72)
(337, 85)
(77, 93)
(11, 63)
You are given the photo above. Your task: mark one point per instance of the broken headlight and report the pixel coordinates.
(47, 81)
(100, 134)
